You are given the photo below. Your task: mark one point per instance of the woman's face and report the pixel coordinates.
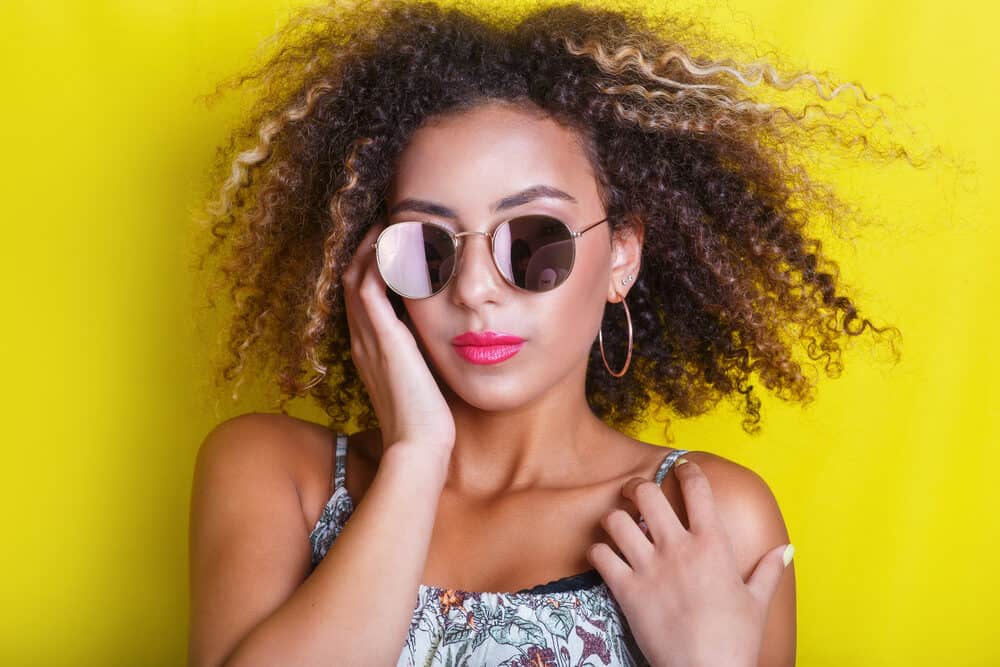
(467, 163)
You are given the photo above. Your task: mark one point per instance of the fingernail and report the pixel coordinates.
(786, 556)
(681, 461)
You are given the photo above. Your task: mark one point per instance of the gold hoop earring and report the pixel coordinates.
(628, 355)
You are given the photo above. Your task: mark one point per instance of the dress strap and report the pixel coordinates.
(668, 461)
(340, 462)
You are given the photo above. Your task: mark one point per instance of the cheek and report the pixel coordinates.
(590, 288)
(417, 318)
(576, 316)
(569, 317)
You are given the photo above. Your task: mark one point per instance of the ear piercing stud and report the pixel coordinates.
(625, 281)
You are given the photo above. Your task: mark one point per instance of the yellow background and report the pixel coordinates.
(888, 482)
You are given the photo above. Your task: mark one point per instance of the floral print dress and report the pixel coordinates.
(570, 622)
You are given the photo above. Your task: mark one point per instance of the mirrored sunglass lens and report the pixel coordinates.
(415, 259)
(534, 252)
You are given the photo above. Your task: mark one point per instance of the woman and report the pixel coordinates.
(440, 215)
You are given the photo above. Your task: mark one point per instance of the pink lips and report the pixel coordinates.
(486, 347)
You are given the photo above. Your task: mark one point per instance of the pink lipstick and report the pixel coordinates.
(486, 347)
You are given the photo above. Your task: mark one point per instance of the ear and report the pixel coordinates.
(626, 256)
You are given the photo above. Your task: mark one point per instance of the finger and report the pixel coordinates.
(607, 563)
(699, 501)
(354, 273)
(362, 255)
(628, 537)
(372, 294)
(358, 319)
(655, 513)
(766, 577)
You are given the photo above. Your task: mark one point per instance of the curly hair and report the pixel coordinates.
(732, 281)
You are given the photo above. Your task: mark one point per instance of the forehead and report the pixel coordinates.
(472, 159)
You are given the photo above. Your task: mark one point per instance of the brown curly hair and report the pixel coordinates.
(731, 279)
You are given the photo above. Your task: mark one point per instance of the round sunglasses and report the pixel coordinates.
(532, 252)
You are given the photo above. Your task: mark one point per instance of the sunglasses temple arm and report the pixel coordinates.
(589, 227)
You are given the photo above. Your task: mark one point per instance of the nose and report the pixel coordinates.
(477, 279)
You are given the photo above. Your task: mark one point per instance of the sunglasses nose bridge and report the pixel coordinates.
(460, 251)
(459, 235)
(459, 242)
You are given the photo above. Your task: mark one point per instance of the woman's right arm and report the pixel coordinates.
(249, 543)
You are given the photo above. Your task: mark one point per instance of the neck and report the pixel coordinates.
(544, 441)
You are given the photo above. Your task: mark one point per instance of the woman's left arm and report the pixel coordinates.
(714, 592)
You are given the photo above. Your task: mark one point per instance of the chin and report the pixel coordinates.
(493, 394)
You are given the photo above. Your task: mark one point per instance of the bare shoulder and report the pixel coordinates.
(754, 525)
(251, 446)
(248, 541)
(744, 500)
(273, 435)
(300, 450)
(746, 504)
(262, 444)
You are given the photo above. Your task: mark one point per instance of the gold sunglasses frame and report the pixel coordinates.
(491, 235)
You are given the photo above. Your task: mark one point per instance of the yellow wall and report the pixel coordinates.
(887, 482)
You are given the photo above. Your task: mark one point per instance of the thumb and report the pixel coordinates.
(763, 583)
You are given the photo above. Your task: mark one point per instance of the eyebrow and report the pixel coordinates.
(511, 201)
